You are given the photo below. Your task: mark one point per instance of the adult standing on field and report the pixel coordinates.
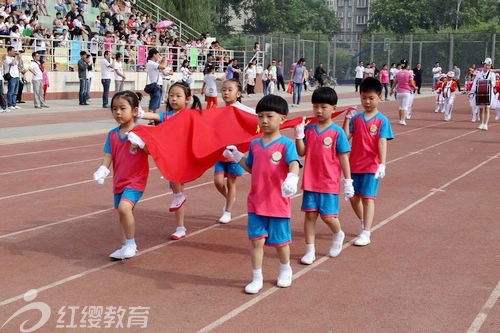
(417, 71)
(298, 79)
(360, 74)
(436, 73)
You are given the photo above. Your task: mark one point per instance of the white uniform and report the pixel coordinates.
(485, 76)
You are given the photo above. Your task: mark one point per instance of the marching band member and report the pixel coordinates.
(487, 75)
(448, 93)
(472, 99)
(438, 88)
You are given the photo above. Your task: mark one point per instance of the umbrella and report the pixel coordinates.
(164, 24)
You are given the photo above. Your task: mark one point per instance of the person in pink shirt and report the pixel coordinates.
(130, 169)
(274, 164)
(384, 79)
(327, 150)
(45, 80)
(108, 40)
(403, 80)
(369, 131)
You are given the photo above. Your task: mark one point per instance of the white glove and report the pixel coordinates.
(233, 153)
(299, 129)
(348, 189)
(135, 140)
(351, 113)
(101, 173)
(289, 186)
(380, 171)
(140, 112)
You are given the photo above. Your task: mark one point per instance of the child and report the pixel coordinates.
(274, 164)
(327, 152)
(209, 87)
(496, 97)
(224, 168)
(45, 80)
(472, 98)
(369, 131)
(438, 88)
(130, 169)
(448, 93)
(179, 95)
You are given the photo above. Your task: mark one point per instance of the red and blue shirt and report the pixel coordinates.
(130, 165)
(366, 133)
(322, 166)
(269, 164)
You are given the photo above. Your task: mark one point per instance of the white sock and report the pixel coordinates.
(366, 233)
(178, 195)
(285, 267)
(362, 222)
(257, 274)
(310, 248)
(180, 229)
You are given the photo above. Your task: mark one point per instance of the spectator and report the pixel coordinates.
(154, 66)
(186, 72)
(119, 74)
(436, 73)
(384, 79)
(236, 70)
(319, 73)
(298, 78)
(279, 75)
(360, 72)
(106, 68)
(37, 81)
(22, 80)
(45, 80)
(83, 65)
(250, 76)
(417, 71)
(256, 48)
(60, 6)
(2, 99)
(456, 71)
(10, 62)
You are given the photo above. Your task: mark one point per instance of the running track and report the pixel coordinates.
(433, 265)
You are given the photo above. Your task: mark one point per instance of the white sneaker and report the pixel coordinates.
(480, 126)
(442, 110)
(308, 258)
(402, 122)
(128, 251)
(436, 110)
(363, 239)
(337, 242)
(408, 116)
(473, 118)
(446, 118)
(118, 254)
(225, 218)
(3, 110)
(285, 279)
(497, 117)
(180, 232)
(12, 108)
(17, 107)
(177, 202)
(254, 286)
(485, 127)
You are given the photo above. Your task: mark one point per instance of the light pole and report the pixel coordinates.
(458, 10)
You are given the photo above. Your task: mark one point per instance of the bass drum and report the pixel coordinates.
(483, 92)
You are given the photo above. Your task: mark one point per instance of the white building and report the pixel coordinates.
(353, 16)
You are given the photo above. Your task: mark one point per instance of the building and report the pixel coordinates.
(353, 16)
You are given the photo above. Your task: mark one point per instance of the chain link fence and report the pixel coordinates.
(341, 53)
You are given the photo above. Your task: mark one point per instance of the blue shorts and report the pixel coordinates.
(229, 169)
(129, 195)
(365, 185)
(276, 230)
(327, 204)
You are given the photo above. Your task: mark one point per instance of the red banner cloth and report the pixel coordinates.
(191, 142)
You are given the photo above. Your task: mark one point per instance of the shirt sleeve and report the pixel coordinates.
(351, 125)
(107, 145)
(386, 130)
(291, 152)
(342, 144)
(162, 115)
(249, 159)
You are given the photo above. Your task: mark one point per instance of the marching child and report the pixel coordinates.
(496, 97)
(369, 131)
(179, 96)
(326, 149)
(274, 164)
(226, 168)
(130, 169)
(472, 99)
(448, 93)
(438, 88)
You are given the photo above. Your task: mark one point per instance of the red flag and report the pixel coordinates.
(186, 145)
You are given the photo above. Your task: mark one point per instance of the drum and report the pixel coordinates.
(483, 92)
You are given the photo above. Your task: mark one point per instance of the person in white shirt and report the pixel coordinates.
(106, 69)
(10, 64)
(392, 73)
(209, 87)
(154, 66)
(36, 81)
(119, 76)
(484, 109)
(436, 74)
(360, 72)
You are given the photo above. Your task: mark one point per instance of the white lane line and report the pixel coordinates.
(49, 166)
(54, 188)
(228, 316)
(483, 314)
(50, 150)
(431, 146)
(421, 128)
(12, 234)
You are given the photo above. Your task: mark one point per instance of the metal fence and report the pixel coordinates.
(341, 53)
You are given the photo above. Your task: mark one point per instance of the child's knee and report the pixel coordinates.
(125, 207)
